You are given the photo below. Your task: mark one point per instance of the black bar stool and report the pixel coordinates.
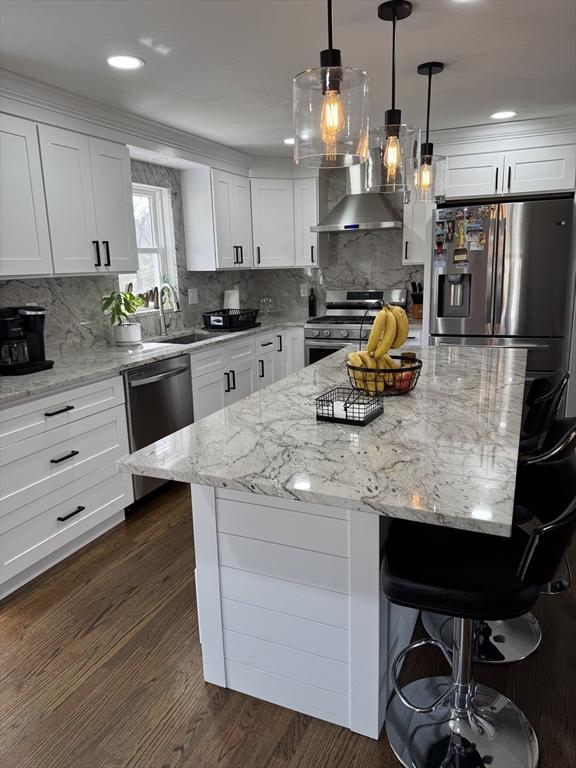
(542, 403)
(504, 641)
(454, 722)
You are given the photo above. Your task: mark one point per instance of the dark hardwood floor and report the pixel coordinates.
(101, 668)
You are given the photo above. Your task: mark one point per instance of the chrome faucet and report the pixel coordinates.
(164, 323)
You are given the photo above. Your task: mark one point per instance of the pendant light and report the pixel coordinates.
(430, 170)
(330, 105)
(394, 145)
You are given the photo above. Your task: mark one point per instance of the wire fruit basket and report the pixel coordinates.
(386, 381)
(348, 406)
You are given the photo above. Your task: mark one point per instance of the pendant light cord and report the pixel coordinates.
(394, 60)
(428, 107)
(330, 41)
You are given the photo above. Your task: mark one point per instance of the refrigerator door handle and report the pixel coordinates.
(499, 279)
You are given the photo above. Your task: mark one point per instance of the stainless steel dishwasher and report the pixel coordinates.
(159, 399)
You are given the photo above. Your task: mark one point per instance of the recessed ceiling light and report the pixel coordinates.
(125, 62)
(289, 140)
(503, 115)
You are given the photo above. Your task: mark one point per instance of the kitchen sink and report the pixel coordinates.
(190, 338)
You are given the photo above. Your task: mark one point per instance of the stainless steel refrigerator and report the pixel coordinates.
(502, 275)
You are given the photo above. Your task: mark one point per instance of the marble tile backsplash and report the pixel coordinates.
(360, 260)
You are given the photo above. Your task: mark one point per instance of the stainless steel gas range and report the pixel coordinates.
(348, 319)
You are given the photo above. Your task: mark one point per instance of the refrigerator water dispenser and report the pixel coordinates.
(454, 295)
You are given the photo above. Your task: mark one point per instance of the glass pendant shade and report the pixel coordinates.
(330, 117)
(430, 172)
(393, 153)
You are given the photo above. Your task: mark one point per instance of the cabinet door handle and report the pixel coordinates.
(406, 249)
(106, 245)
(241, 254)
(227, 376)
(62, 410)
(279, 343)
(71, 514)
(312, 254)
(64, 458)
(258, 254)
(261, 364)
(509, 177)
(233, 374)
(96, 244)
(235, 250)
(496, 181)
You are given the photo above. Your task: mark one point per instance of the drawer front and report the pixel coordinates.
(265, 342)
(25, 420)
(44, 463)
(214, 359)
(24, 545)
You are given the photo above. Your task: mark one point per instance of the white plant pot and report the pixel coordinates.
(127, 334)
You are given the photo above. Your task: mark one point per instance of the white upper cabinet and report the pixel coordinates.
(305, 216)
(522, 171)
(217, 220)
(226, 253)
(112, 188)
(24, 238)
(241, 220)
(273, 222)
(474, 175)
(546, 169)
(89, 200)
(70, 201)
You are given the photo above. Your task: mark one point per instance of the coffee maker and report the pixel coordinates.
(22, 341)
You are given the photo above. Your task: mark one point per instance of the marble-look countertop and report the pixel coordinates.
(445, 453)
(76, 366)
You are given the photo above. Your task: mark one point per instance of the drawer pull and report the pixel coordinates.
(63, 458)
(71, 514)
(62, 410)
(267, 344)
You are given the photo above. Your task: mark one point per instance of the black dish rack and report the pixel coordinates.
(376, 382)
(348, 406)
(230, 319)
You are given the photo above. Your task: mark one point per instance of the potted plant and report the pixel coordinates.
(120, 305)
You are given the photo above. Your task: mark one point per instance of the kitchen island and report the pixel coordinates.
(290, 521)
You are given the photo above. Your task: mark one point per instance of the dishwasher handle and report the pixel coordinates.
(158, 377)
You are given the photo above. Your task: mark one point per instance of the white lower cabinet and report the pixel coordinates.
(231, 370)
(291, 349)
(60, 485)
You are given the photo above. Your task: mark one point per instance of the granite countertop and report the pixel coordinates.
(77, 366)
(445, 454)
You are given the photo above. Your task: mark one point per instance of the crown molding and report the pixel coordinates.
(509, 130)
(31, 99)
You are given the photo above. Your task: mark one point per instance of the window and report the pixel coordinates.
(154, 240)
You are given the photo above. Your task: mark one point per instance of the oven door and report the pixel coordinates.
(318, 349)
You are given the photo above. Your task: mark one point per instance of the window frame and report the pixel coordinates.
(163, 235)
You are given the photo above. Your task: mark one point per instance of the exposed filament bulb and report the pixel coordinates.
(331, 122)
(391, 158)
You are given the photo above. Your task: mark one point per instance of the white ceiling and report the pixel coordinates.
(222, 68)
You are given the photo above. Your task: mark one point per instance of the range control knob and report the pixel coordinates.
(343, 334)
(326, 333)
(364, 335)
(315, 332)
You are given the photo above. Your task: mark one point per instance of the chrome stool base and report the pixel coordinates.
(490, 731)
(495, 642)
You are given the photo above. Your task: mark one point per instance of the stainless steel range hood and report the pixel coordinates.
(362, 210)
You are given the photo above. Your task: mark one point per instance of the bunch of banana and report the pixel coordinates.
(389, 331)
